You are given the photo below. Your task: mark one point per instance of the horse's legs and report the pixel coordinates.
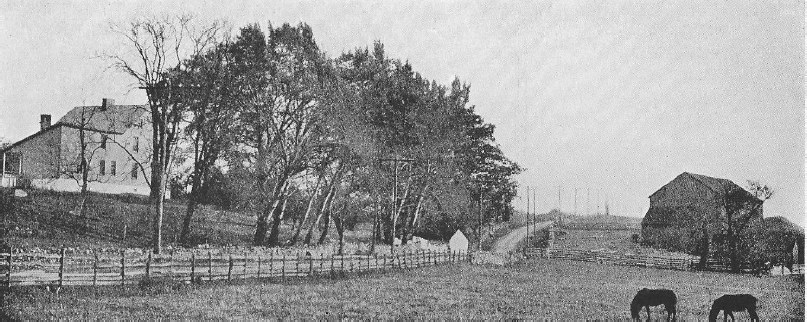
(753, 312)
(731, 315)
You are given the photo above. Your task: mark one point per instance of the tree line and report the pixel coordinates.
(272, 125)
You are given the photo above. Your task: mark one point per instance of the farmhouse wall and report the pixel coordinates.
(40, 154)
(119, 150)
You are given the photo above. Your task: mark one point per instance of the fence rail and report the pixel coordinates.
(81, 269)
(662, 262)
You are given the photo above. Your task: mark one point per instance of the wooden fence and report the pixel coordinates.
(598, 226)
(662, 262)
(127, 268)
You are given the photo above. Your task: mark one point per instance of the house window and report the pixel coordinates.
(134, 171)
(102, 167)
(136, 146)
(103, 141)
(112, 168)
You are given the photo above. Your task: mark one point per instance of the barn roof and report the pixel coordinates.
(116, 118)
(718, 185)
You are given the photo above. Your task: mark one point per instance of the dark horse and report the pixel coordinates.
(647, 298)
(734, 303)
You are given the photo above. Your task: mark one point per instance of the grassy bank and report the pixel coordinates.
(49, 219)
(540, 289)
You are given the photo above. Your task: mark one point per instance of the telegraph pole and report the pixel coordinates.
(575, 201)
(394, 217)
(528, 216)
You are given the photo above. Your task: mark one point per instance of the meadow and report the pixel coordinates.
(554, 289)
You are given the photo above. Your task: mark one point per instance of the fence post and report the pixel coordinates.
(321, 263)
(311, 266)
(375, 259)
(209, 266)
(342, 265)
(259, 266)
(283, 267)
(193, 267)
(230, 269)
(9, 262)
(148, 266)
(122, 267)
(61, 267)
(297, 265)
(271, 264)
(331, 271)
(245, 264)
(95, 268)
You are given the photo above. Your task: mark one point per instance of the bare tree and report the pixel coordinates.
(154, 46)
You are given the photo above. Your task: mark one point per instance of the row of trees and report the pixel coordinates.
(290, 133)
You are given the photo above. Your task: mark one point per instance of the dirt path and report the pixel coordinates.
(509, 241)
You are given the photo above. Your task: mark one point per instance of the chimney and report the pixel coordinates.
(44, 121)
(106, 103)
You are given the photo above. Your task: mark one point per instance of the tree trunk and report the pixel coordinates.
(325, 205)
(400, 210)
(410, 226)
(704, 251)
(326, 223)
(159, 208)
(308, 210)
(340, 229)
(275, 212)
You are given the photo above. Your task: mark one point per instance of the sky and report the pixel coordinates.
(612, 99)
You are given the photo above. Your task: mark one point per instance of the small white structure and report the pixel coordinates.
(458, 242)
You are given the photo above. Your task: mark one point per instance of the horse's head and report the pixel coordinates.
(634, 312)
(635, 307)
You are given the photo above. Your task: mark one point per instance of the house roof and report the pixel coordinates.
(720, 186)
(115, 119)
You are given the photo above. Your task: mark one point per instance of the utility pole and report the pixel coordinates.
(394, 216)
(575, 201)
(528, 216)
(559, 189)
(588, 199)
(534, 210)
(597, 193)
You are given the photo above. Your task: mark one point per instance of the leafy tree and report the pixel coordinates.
(280, 77)
(154, 47)
(210, 100)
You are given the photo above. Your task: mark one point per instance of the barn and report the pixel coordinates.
(689, 213)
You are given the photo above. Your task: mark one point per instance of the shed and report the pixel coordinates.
(458, 242)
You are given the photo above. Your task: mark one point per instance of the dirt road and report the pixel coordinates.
(507, 243)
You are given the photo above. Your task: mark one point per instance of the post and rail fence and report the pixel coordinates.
(681, 263)
(71, 269)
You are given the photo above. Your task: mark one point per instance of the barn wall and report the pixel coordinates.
(679, 212)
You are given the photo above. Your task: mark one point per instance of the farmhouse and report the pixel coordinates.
(689, 212)
(116, 146)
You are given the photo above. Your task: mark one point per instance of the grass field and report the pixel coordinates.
(553, 289)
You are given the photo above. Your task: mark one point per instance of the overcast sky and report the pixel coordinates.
(614, 97)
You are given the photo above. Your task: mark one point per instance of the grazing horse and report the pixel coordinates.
(647, 298)
(734, 303)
